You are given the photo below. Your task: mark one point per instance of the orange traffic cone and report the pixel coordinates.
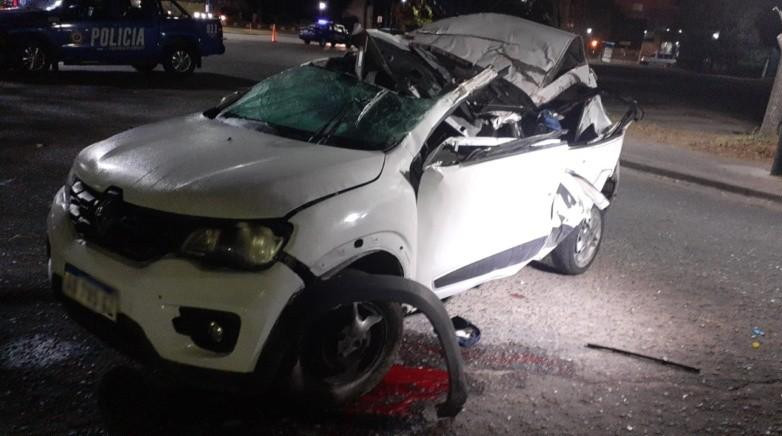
(274, 33)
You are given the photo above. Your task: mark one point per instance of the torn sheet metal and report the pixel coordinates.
(540, 60)
(572, 204)
(594, 115)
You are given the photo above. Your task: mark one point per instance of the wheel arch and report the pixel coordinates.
(175, 40)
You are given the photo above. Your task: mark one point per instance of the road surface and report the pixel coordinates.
(684, 274)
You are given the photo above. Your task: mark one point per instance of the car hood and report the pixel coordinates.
(202, 167)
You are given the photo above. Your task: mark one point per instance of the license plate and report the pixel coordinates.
(90, 293)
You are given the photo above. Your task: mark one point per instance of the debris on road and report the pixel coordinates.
(642, 356)
(756, 345)
(757, 332)
(466, 332)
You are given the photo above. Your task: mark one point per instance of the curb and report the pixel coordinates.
(749, 192)
(260, 32)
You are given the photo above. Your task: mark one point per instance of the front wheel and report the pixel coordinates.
(322, 42)
(179, 60)
(346, 352)
(575, 254)
(307, 41)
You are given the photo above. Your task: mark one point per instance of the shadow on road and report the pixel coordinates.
(198, 81)
(135, 402)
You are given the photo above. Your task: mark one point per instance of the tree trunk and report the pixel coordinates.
(773, 115)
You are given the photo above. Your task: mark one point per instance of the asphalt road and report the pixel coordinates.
(685, 273)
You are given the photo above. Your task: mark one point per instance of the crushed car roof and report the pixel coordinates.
(541, 60)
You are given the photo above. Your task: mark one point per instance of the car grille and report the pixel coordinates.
(134, 232)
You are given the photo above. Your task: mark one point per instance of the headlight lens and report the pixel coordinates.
(243, 245)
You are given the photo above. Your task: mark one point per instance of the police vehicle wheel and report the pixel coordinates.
(33, 57)
(332, 43)
(307, 41)
(322, 43)
(179, 60)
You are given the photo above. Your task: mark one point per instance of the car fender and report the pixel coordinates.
(15, 38)
(379, 216)
(169, 40)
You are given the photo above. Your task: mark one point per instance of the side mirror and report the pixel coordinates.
(226, 101)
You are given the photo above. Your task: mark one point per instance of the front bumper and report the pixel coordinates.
(151, 297)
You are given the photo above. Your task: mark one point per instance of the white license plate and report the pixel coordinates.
(90, 293)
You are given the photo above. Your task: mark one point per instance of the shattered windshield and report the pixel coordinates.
(328, 107)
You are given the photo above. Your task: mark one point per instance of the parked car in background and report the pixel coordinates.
(659, 59)
(143, 33)
(323, 32)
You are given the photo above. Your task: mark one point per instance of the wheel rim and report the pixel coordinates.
(181, 61)
(348, 344)
(33, 58)
(589, 233)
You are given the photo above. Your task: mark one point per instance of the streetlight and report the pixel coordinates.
(321, 6)
(716, 35)
(589, 30)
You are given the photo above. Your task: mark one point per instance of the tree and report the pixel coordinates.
(773, 116)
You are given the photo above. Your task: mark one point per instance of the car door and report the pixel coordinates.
(479, 218)
(114, 32)
(76, 19)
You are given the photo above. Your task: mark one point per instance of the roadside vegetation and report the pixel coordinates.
(737, 145)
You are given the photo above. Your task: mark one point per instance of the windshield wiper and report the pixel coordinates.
(325, 132)
(259, 125)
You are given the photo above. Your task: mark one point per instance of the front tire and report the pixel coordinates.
(307, 41)
(346, 352)
(179, 60)
(575, 254)
(322, 42)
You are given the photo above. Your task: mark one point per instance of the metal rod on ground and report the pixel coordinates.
(642, 356)
(776, 166)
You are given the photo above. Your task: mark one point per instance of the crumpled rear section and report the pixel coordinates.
(529, 55)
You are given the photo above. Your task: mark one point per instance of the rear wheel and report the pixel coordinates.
(346, 352)
(575, 254)
(33, 57)
(307, 41)
(179, 60)
(322, 42)
(332, 43)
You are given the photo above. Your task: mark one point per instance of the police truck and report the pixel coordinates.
(39, 34)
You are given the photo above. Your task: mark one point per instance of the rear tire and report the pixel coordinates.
(575, 254)
(307, 41)
(322, 43)
(179, 60)
(33, 57)
(346, 352)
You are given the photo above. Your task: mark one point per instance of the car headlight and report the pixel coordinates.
(243, 245)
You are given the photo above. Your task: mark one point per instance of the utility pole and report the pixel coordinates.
(773, 118)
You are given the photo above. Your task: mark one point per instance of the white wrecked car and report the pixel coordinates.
(447, 158)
